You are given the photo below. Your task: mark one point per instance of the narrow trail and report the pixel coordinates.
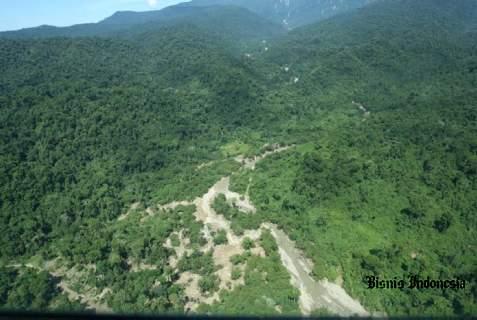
(250, 163)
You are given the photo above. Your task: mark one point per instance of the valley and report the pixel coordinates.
(252, 158)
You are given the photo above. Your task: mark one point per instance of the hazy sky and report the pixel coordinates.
(17, 14)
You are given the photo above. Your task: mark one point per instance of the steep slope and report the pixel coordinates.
(227, 22)
(387, 184)
(184, 85)
(400, 41)
(292, 13)
(91, 126)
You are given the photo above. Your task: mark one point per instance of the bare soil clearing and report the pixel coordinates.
(313, 294)
(213, 222)
(180, 250)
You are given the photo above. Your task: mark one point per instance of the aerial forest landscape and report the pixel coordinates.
(243, 157)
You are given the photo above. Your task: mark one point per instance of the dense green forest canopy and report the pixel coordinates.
(380, 104)
(228, 21)
(291, 14)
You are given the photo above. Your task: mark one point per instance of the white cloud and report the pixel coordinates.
(152, 3)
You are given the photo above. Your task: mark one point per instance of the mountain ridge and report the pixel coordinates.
(292, 13)
(125, 22)
(289, 14)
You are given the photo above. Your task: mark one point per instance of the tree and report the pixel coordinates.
(220, 237)
(443, 222)
(247, 243)
(209, 283)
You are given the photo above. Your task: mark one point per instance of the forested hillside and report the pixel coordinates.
(234, 23)
(356, 136)
(388, 186)
(118, 117)
(291, 13)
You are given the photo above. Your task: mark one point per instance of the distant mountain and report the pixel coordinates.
(403, 42)
(419, 26)
(119, 21)
(291, 13)
(259, 19)
(217, 19)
